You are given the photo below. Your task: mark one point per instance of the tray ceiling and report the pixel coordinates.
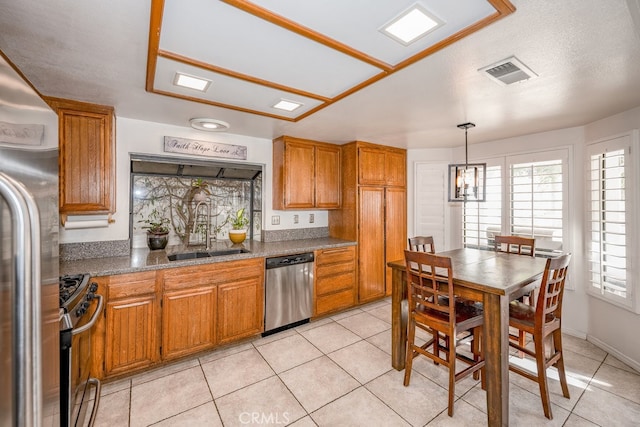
(314, 53)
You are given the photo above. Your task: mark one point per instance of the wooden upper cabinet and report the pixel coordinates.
(395, 167)
(87, 157)
(306, 174)
(327, 177)
(382, 166)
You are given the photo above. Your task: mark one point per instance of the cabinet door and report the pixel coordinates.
(371, 166)
(130, 339)
(240, 309)
(87, 157)
(395, 228)
(371, 266)
(396, 169)
(299, 175)
(188, 321)
(328, 193)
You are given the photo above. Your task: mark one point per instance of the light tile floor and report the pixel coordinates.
(337, 372)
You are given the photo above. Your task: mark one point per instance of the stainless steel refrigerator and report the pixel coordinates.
(29, 301)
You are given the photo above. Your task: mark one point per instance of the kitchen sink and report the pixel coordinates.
(195, 255)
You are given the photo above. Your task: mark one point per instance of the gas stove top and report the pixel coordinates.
(72, 287)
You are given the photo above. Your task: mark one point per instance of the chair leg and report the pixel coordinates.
(522, 340)
(557, 340)
(411, 335)
(452, 374)
(475, 348)
(542, 376)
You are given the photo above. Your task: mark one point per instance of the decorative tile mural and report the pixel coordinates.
(190, 206)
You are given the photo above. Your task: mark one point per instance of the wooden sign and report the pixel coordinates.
(14, 133)
(204, 148)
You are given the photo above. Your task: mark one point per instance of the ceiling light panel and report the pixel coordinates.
(276, 55)
(287, 105)
(411, 24)
(333, 18)
(191, 82)
(230, 91)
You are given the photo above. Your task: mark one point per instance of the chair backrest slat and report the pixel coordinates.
(515, 244)
(430, 282)
(422, 243)
(549, 304)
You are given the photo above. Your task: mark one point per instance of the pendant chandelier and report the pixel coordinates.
(467, 181)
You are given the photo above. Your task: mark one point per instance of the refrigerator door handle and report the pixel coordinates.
(26, 235)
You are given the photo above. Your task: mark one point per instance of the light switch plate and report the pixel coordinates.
(296, 218)
(312, 218)
(275, 220)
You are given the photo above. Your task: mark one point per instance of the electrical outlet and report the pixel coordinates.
(275, 220)
(296, 218)
(312, 218)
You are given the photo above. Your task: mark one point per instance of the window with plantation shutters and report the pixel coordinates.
(536, 209)
(526, 196)
(483, 220)
(609, 220)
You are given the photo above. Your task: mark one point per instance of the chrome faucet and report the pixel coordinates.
(195, 222)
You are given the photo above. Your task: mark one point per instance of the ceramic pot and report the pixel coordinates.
(157, 241)
(237, 236)
(199, 195)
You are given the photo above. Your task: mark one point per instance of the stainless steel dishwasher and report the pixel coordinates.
(288, 299)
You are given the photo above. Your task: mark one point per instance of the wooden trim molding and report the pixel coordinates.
(503, 8)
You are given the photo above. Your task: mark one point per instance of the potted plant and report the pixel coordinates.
(199, 190)
(157, 227)
(238, 222)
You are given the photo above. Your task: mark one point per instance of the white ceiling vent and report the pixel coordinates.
(508, 71)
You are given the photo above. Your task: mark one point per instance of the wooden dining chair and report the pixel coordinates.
(433, 308)
(543, 321)
(521, 246)
(422, 244)
(515, 244)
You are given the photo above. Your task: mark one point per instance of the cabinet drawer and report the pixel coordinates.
(335, 283)
(132, 284)
(330, 256)
(334, 302)
(334, 269)
(211, 274)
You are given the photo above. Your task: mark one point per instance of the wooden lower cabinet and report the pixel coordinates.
(162, 315)
(188, 321)
(130, 334)
(335, 279)
(241, 308)
(125, 339)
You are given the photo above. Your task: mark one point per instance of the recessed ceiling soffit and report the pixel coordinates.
(305, 55)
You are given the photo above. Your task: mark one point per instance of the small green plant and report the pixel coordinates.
(201, 184)
(156, 223)
(239, 221)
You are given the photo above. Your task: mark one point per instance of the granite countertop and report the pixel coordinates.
(142, 259)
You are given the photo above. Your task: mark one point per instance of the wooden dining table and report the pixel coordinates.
(493, 278)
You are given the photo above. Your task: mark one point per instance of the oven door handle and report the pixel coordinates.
(93, 320)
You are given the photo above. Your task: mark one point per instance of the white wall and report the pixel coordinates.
(137, 136)
(611, 327)
(606, 325)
